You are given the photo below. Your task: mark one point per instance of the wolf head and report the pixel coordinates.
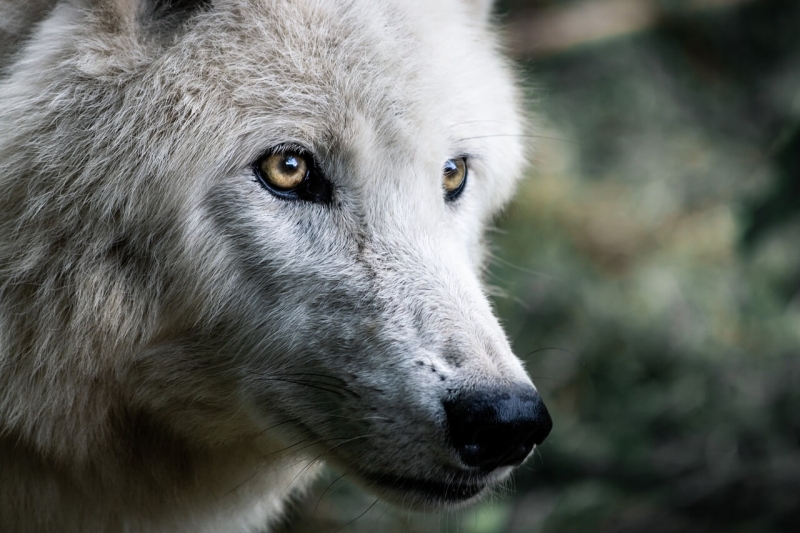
(261, 221)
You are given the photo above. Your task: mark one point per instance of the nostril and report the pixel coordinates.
(494, 428)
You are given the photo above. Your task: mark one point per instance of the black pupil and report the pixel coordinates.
(450, 167)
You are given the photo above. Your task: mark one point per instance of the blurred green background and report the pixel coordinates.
(649, 274)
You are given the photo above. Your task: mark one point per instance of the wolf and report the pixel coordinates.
(240, 239)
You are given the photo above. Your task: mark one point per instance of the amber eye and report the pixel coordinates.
(284, 171)
(454, 177)
(292, 174)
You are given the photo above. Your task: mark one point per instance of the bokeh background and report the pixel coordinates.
(649, 274)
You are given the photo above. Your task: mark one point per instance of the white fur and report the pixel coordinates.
(180, 349)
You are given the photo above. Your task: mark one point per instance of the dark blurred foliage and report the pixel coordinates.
(649, 274)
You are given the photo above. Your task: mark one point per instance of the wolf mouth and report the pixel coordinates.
(451, 491)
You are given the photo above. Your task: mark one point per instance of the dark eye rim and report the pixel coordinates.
(314, 188)
(452, 196)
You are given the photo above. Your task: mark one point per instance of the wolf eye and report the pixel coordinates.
(291, 174)
(454, 177)
(283, 171)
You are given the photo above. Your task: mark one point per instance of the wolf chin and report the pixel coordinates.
(241, 238)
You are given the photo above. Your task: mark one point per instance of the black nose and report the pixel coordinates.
(498, 427)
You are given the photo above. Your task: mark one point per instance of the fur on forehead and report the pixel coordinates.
(166, 15)
(306, 69)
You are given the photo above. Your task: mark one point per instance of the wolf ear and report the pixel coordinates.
(152, 18)
(170, 12)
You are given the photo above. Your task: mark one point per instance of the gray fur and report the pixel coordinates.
(179, 349)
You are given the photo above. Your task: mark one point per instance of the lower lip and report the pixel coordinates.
(445, 492)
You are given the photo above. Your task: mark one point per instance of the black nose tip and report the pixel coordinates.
(498, 427)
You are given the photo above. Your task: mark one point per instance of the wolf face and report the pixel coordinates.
(247, 234)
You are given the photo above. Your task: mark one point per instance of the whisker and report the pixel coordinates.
(524, 135)
(278, 425)
(287, 378)
(287, 448)
(317, 458)
(258, 470)
(326, 492)
(311, 462)
(523, 269)
(360, 418)
(315, 374)
(311, 385)
(580, 358)
(539, 454)
(478, 121)
(555, 348)
(351, 522)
